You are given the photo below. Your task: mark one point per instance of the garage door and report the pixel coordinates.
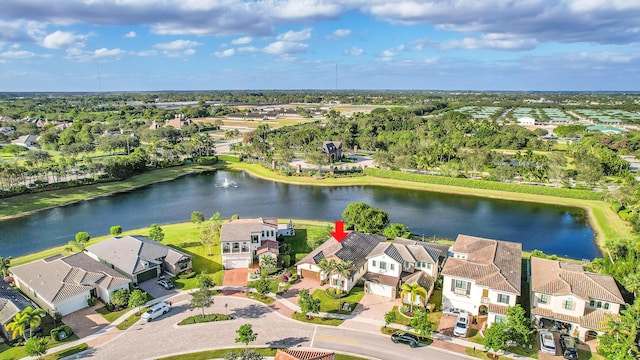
(308, 274)
(379, 289)
(147, 275)
(237, 263)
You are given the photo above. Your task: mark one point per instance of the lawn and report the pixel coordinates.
(67, 352)
(304, 229)
(132, 319)
(258, 297)
(111, 316)
(316, 320)
(330, 305)
(18, 352)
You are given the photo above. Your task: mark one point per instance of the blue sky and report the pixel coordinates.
(146, 45)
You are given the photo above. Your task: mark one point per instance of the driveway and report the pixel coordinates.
(293, 292)
(155, 290)
(236, 277)
(446, 325)
(375, 306)
(86, 321)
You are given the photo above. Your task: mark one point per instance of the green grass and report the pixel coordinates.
(109, 315)
(132, 319)
(330, 305)
(255, 296)
(400, 319)
(16, 205)
(67, 352)
(317, 320)
(218, 354)
(18, 352)
(588, 355)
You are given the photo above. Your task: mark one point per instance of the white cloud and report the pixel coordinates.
(102, 53)
(189, 52)
(17, 54)
(294, 36)
(285, 47)
(389, 53)
(354, 51)
(21, 30)
(248, 49)
(130, 34)
(339, 33)
(303, 10)
(225, 53)
(177, 45)
(492, 41)
(242, 41)
(145, 53)
(63, 39)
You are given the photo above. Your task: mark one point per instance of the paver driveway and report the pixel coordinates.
(236, 277)
(86, 321)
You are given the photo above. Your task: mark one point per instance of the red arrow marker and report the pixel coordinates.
(339, 234)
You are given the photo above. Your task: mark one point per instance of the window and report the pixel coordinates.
(592, 303)
(502, 298)
(392, 266)
(544, 298)
(373, 263)
(428, 266)
(461, 287)
(236, 247)
(461, 284)
(568, 305)
(500, 319)
(255, 238)
(383, 265)
(263, 233)
(599, 306)
(245, 247)
(226, 248)
(407, 265)
(606, 306)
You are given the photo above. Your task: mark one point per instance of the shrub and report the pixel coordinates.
(207, 318)
(616, 206)
(91, 301)
(335, 293)
(283, 278)
(627, 215)
(229, 158)
(187, 275)
(207, 160)
(300, 256)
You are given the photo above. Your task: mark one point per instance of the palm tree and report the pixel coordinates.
(28, 318)
(327, 267)
(5, 262)
(415, 290)
(343, 268)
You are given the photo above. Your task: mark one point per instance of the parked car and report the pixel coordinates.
(568, 347)
(547, 343)
(462, 325)
(166, 283)
(406, 338)
(155, 311)
(452, 311)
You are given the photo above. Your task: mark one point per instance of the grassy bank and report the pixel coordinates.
(26, 204)
(605, 223)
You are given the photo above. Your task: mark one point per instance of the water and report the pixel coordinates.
(552, 229)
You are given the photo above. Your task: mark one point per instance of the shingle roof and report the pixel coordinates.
(381, 279)
(130, 253)
(421, 278)
(291, 354)
(555, 277)
(269, 246)
(491, 263)
(355, 248)
(436, 251)
(11, 302)
(55, 279)
(241, 229)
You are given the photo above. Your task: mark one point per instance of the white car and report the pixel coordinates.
(462, 325)
(547, 342)
(155, 311)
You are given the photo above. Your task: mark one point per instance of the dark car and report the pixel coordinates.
(406, 338)
(568, 347)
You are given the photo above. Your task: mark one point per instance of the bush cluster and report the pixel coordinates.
(207, 318)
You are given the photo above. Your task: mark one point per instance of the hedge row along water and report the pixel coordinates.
(486, 185)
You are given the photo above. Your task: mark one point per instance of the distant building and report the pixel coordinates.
(26, 141)
(526, 121)
(333, 149)
(179, 121)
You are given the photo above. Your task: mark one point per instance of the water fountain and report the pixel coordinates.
(227, 184)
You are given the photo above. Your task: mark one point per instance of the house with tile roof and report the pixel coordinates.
(242, 239)
(333, 149)
(564, 292)
(390, 265)
(299, 354)
(482, 276)
(355, 248)
(139, 257)
(64, 284)
(12, 302)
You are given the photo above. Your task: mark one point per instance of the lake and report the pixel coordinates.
(552, 229)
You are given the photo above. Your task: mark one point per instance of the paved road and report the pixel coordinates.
(163, 337)
(374, 345)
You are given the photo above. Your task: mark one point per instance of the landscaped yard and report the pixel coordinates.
(18, 352)
(111, 316)
(331, 305)
(317, 320)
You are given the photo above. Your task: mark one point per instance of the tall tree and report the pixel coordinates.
(327, 267)
(421, 323)
(518, 325)
(197, 217)
(29, 318)
(343, 269)
(202, 298)
(308, 304)
(137, 298)
(5, 263)
(36, 346)
(496, 337)
(619, 340)
(414, 291)
(268, 264)
(389, 318)
(115, 230)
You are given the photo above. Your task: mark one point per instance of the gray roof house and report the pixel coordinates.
(64, 284)
(11, 303)
(139, 257)
(355, 248)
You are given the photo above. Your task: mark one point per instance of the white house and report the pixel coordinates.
(564, 292)
(526, 121)
(26, 141)
(355, 248)
(241, 238)
(64, 284)
(482, 276)
(390, 265)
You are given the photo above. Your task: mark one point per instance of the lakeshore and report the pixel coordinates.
(604, 222)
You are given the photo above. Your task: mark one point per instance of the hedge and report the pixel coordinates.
(486, 185)
(229, 158)
(207, 160)
(207, 318)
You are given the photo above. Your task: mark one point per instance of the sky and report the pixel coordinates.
(151, 45)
